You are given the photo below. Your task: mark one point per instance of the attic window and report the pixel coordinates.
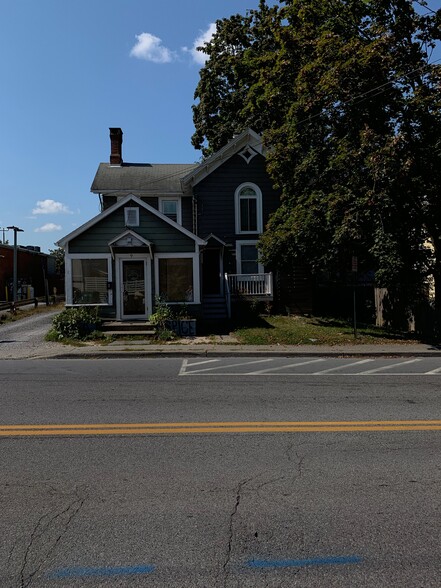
(131, 217)
(247, 153)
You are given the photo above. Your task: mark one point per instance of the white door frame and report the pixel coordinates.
(119, 258)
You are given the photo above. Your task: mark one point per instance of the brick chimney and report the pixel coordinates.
(116, 139)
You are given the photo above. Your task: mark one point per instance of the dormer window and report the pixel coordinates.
(171, 207)
(248, 200)
(131, 216)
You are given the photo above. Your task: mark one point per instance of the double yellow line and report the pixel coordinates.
(216, 427)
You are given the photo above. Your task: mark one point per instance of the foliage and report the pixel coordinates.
(162, 314)
(58, 253)
(348, 102)
(78, 323)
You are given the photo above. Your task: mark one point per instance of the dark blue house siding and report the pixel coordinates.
(215, 197)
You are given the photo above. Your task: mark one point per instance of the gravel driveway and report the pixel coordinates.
(25, 338)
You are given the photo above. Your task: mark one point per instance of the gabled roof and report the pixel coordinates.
(248, 137)
(130, 197)
(141, 178)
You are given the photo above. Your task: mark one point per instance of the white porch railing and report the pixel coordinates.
(251, 284)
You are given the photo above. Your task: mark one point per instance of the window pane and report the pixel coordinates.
(89, 281)
(248, 258)
(170, 209)
(248, 214)
(176, 280)
(247, 192)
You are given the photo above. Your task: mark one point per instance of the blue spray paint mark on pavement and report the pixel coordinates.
(101, 572)
(301, 563)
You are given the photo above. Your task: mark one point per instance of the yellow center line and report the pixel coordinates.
(216, 427)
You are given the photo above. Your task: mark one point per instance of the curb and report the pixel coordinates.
(139, 354)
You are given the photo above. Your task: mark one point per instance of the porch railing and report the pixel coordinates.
(251, 284)
(227, 295)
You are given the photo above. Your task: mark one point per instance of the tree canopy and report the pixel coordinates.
(347, 96)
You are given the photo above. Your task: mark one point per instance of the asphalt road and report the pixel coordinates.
(347, 507)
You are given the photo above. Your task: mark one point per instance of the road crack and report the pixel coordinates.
(57, 524)
(231, 528)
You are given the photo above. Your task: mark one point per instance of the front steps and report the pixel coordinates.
(128, 329)
(214, 307)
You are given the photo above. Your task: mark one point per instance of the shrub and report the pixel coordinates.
(162, 314)
(76, 323)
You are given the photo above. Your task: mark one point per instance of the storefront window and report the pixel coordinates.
(89, 281)
(176, 279)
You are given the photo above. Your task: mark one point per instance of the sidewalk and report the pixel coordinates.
(139, 349)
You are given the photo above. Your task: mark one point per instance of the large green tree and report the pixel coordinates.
(347, 96)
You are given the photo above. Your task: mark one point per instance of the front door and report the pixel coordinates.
(211, 272)
(133, 288)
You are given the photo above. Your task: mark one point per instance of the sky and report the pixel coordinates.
(69, 70)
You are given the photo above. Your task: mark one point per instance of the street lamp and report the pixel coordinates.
(16, 230)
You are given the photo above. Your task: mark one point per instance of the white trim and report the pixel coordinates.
(119, 258)
(247, 137)
(99, 217)
(177, 199)
(260, 267)
(237, 199)
(68, 275)
(196, 278)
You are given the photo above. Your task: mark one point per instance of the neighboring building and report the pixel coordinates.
(36, 275)
(185, 232)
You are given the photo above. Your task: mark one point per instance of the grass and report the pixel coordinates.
(299, 330)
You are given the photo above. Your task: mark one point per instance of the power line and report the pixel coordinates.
(376, 91)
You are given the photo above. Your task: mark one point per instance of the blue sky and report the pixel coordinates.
(69, 71)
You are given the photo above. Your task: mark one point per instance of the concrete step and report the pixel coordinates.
(128, 328)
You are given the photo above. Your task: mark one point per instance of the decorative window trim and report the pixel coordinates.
(68, 276)
(260, 267)
(178, 201)
(196, 288)
(247, 153)
(237, 200)
(130, 210)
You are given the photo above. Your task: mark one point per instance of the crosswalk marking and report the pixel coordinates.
(340, 367)
(226, 366)
(287, 367)
(388, 367)
(282, 367)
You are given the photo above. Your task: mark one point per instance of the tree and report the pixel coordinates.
(58, 254)
(352, 118)
(240, 49)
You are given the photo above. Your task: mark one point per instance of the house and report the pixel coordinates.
(185, 232)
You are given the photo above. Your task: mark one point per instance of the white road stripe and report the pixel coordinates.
(203, 362)
(341, 367)
(388, 367)
(435, 371)
(281, 367)
(219, 367)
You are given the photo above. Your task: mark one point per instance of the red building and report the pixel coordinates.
(36, 273)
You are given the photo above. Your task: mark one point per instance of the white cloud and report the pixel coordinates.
(150, 48)
(50, 207)
(198, 56)
(48, 228)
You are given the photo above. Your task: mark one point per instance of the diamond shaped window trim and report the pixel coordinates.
(247, 153)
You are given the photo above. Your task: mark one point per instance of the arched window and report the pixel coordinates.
(248, 202)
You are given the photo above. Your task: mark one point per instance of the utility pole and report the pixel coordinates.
(16, 230)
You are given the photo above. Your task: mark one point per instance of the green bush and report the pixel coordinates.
(76, 323)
